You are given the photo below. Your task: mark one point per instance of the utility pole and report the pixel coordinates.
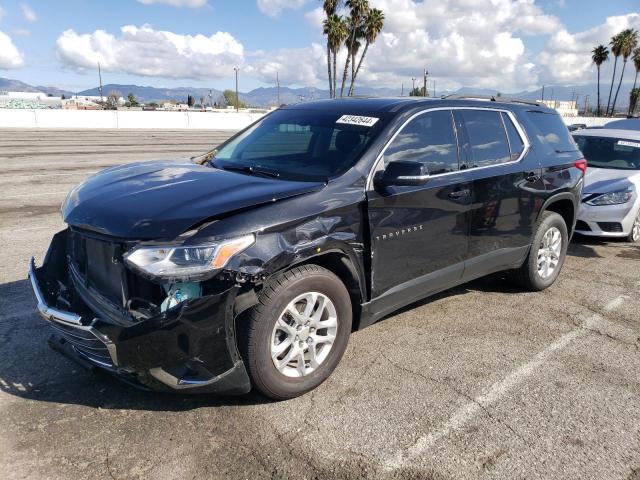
(543, 93)
(100, 77)
(402, 90)
(426, 73)
(434, 89)
(278, 83)
(586, 103)
(413, 83)
(237, 97)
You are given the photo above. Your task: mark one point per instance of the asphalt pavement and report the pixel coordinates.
(482, 381)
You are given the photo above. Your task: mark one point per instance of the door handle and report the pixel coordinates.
(532, 177)
(456, 194)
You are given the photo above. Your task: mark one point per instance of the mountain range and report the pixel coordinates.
(268, 96)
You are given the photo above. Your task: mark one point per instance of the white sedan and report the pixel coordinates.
(610, 202)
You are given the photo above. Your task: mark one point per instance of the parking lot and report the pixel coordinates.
(482, 381)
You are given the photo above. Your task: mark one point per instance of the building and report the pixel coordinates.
(564, 108)
(28, 100)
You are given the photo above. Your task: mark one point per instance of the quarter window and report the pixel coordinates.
(515, 140)
(487, 136)
(429, 139)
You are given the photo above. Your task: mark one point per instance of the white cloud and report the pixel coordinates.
(273, 8)
(2, 12)
(148, 52)
(566, 57)
(177, 3)
(477, 43)
(300, 66)
(10, 57)
(315, 18)
(22, 32)
(28, 12)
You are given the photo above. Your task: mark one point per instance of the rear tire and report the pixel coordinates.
(297, 333)
(546, 257)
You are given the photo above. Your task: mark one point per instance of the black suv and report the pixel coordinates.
(250, 266)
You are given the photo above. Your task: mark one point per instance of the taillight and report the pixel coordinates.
(581, 165)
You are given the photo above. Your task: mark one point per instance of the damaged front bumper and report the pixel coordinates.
(191, 347)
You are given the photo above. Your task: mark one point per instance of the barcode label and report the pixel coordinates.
(358, 120)
(624, 143)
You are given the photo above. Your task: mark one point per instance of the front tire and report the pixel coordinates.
(546, 257)
(297, 333)
(634, 236)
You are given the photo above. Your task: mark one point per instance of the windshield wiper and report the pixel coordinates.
(252, 170)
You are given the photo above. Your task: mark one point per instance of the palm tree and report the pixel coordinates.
(336, 30)
(359, 10)
(636, 63)
(372, 28)
(615, 49)
(329, 7)
(600, 55)
(354, 48)
(628, 43)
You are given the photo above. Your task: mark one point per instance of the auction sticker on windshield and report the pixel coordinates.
(357, 120)
(624, 143)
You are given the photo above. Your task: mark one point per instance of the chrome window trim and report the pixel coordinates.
(509, 113)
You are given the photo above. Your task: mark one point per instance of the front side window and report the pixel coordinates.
(429, 139)
(296, 144)
(487, 137)
(615, 153)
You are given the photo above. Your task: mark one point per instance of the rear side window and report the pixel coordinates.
(516, 144)
(429, 139)
(487, 137)
(551, 131)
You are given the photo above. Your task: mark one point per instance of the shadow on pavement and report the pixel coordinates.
(30, 369)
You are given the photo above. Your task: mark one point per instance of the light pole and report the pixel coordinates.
(237, 98)
(413, 85)
(426, 73)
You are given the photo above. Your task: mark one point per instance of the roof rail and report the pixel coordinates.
(490, 98)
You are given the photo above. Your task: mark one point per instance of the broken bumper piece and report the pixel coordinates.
(190, 348)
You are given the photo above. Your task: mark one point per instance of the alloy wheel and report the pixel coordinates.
(635, 229)
(549, 252)
(304, 334)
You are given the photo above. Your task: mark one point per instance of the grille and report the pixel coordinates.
(611, 227)
(86, 343)
(580, 225)
(99, 263)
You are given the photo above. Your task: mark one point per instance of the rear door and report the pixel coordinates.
(419, 234)
(506, 183)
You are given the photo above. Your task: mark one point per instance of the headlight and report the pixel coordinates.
(172, 261)
(611, 198)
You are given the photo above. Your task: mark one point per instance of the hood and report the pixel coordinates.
(603, 180)
(154, 200)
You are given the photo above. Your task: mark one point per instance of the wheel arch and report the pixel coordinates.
(340, 264)
(564, 204)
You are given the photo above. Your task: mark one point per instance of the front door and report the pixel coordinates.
(419, 235)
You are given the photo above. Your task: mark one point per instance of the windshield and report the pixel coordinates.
(615, 153)
(301, 145)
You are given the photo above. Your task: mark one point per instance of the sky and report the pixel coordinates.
(507, 45)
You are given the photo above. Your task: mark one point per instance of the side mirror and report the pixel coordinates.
(402, 173)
